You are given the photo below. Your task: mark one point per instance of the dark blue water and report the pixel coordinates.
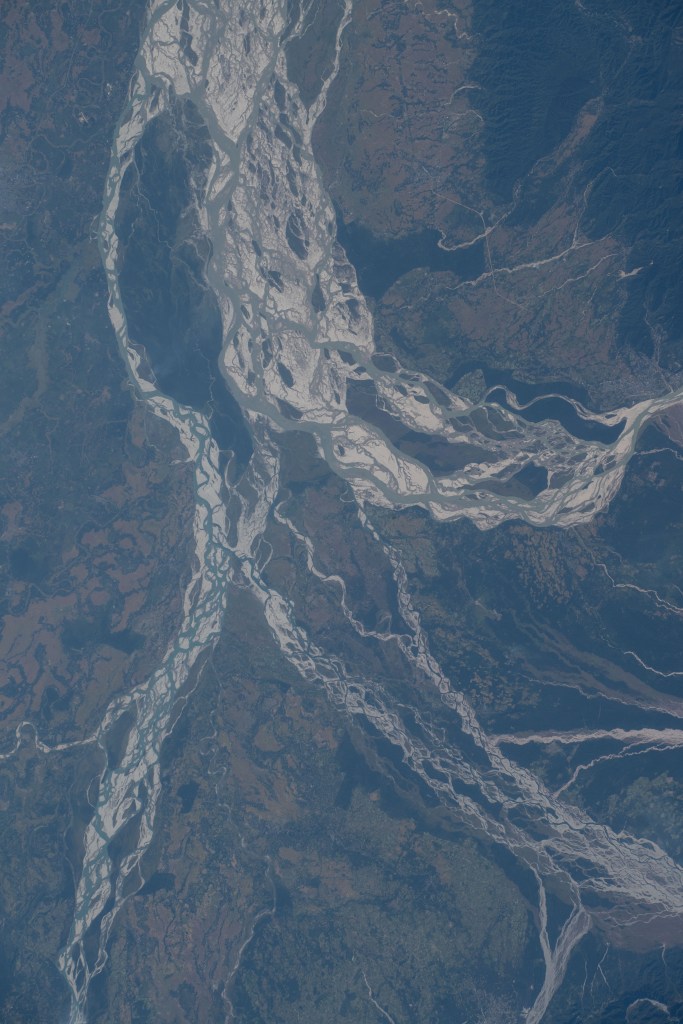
(543, 408)
(379, 262)
(557, 409)
(438, 456)
(524, 390)
(172, 313)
